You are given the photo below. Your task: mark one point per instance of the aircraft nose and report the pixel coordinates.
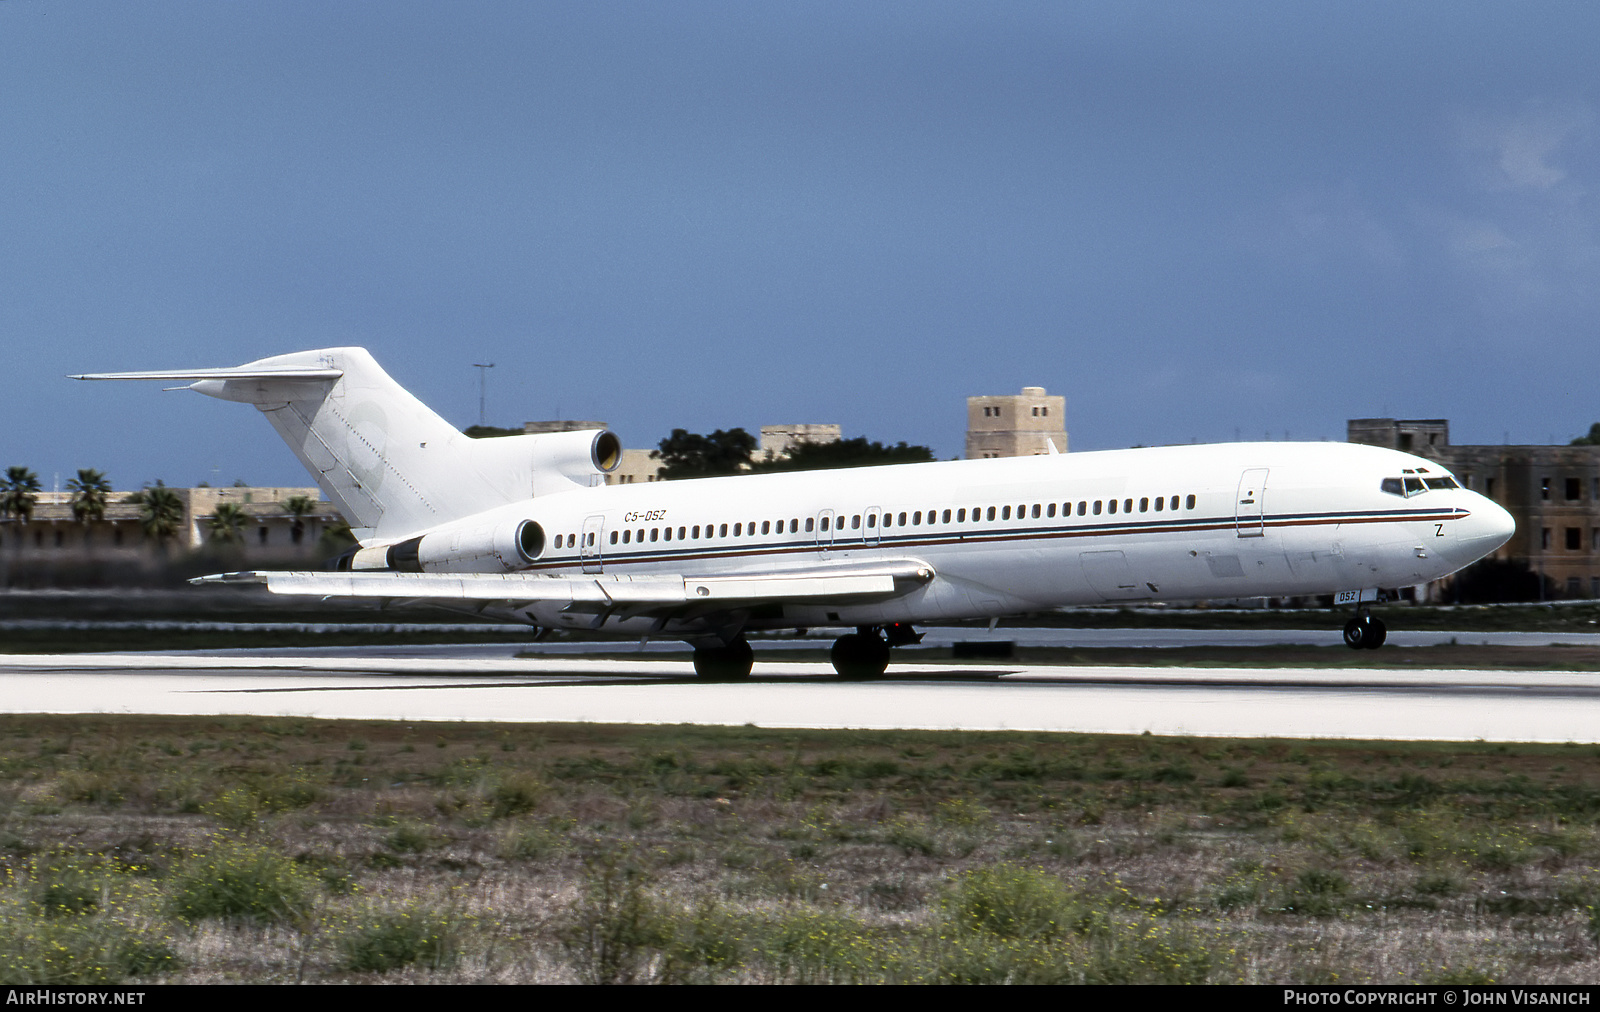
(1489, 527)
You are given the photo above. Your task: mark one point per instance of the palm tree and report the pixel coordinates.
(90, 491)
(227, 523)
(299, 507)
(160, 512)
(18, 493)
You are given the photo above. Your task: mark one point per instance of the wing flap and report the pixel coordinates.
(594, 591)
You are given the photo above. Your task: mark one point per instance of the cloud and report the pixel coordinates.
(1327, 224)
(1521, 150)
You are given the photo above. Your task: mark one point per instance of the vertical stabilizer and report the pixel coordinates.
(390, 464)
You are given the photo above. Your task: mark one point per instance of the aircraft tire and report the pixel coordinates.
(1377, 632)
(1356, 634)
(859, 656)
(724, 664)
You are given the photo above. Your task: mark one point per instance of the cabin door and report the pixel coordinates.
(825, 530)
(1249, 516)
(594, 529)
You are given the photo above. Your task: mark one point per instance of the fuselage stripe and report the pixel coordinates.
(614, 557)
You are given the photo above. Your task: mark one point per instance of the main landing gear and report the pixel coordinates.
(1365, 632)
(859, 655)
(724, 663)
(864, 653)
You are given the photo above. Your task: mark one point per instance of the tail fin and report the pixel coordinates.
(390, 464)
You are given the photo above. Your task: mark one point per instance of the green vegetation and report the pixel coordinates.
(224, 849)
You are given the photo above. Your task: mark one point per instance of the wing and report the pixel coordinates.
(607, 595)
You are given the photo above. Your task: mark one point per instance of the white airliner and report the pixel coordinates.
(523, 528)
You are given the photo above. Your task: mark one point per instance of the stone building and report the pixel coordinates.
(1553, 493)
(269, 534)
(1016, 425)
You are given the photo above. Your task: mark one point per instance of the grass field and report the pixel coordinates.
(211, 849)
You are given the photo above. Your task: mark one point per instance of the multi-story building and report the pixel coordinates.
(1553, 492)
(1016, 425)
(267, 533)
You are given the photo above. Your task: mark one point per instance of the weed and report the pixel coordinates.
(236, 880)
(382, 940)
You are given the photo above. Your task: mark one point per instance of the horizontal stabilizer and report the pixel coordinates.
(236, 373)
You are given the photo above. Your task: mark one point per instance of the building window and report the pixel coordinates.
(1574, 489)
(1544, 539)
(1544, 489)
(1574, 539)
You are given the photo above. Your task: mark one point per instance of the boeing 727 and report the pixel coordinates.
(524, 528)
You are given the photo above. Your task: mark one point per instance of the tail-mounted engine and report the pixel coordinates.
(501, 547)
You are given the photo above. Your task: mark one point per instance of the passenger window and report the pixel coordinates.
(855, 522)
(1083, 507)
(654, 533)
(766, 527)
(825, 521)
(991, 512)
(794, 526)
(680, 533)
(666, 535)
(1111, 506)
(1005, 513)
(916, 518)
(961, 516)
(1174, 503)
(627, 536)
(1051, 511)
(901, 520)
(1160, 502)
(1097, 507)
(872, 519)
(1127, 505)
(1144, 505)
(1189, 502)
(722, 531)
(946, 516)
(1036, 511)
(738, 530)
(613, 537)
(811, 524)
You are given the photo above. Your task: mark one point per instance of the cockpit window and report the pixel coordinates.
(1416, 486)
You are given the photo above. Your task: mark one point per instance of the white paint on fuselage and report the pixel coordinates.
(1326, 526)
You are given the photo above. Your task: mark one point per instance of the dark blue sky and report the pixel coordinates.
(1195, 221)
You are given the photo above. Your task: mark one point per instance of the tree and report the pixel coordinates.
(856, 452)
(1592, 439)
(299, 507)
(18, 493)
(160, 512)
(90, 492)
(489, 431)
(227, 523)
(687, 454)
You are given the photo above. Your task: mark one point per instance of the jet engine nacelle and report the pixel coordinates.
(576, 456)
(495, 547)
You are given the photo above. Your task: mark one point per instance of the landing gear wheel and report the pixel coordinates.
(724, 664)
(1365, 633)
(860, 656)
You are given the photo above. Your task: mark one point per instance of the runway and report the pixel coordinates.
(462, 684)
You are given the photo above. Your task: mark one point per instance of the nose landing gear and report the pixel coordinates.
(1365, 632)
